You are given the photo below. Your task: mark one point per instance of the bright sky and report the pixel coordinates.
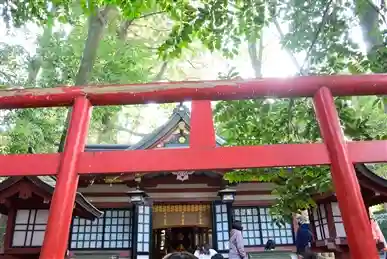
(276, 63)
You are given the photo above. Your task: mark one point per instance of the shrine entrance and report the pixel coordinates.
(179, 239)
(180, 227)
(203, 152)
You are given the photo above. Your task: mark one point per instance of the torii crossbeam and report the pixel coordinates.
(202, 154)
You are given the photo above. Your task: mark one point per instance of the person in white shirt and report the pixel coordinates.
(205, 252)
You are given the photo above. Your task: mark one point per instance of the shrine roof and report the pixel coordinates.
(46, 185)
(366, 173)
(374, 187)
(180, 114)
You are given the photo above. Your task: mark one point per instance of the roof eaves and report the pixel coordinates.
(47, 183)
(363, 170)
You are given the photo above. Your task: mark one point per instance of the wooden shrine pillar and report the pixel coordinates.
(353, 211)
(62, 204)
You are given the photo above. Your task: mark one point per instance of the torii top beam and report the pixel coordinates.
(305, 86)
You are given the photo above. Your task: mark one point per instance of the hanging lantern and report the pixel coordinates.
(227, 195)
(137, 196)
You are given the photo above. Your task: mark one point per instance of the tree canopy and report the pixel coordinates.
(99, 41)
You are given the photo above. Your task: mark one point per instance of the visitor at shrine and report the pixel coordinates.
(205, 252)
(179, 255)
(237, 248)
(304, 237)
(380, 241)
(182, 243)
(310, 255)
(270, 245)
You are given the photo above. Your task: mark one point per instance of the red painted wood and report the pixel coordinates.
(203, 158)
(173, 190)
(29, 164)
(9, 229)
(222, 158)
(204, 90)
(202, 134)
(353, 211)
(59, 220)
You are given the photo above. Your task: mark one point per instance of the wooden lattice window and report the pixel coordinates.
(112, 231)
(30, 226)
(258, 227)
(143, 228)
(221, 226)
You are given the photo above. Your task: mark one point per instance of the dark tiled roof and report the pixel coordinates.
(47, 184)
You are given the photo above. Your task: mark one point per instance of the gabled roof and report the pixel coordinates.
(374, 187)
(180, 113)
(46, 185)
(165, 134)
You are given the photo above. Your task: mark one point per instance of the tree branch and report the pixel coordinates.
(7, 76)
(149, 14)
(123, 30)
(161, 72)
(282, 36)
(323, 21)
(256, 58)
(133, 133)
(136, 121)
(150, 27)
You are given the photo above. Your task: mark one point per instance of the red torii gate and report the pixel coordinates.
(202, 154)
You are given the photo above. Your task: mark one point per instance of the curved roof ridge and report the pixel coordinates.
(161, 131)
(180, 113)
(366, 172)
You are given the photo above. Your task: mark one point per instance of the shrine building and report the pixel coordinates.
(180, 210)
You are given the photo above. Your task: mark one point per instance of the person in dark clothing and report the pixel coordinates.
(217, 256)
(310, 255)
(179, 255)
(303, 238)
(182, 243)
(270, 245)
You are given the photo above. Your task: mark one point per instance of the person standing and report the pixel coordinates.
(205, 252)
(380, 241)
(304, 237)
(270, 245)
(236, 246)
(179, 255)
(182, 243)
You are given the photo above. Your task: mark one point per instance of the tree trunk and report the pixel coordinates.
(137, 121)
(369, 15)
(123, 30)
(108, 119)
(97, 24)
(256, 58)
(35, 64)
(161, 72)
